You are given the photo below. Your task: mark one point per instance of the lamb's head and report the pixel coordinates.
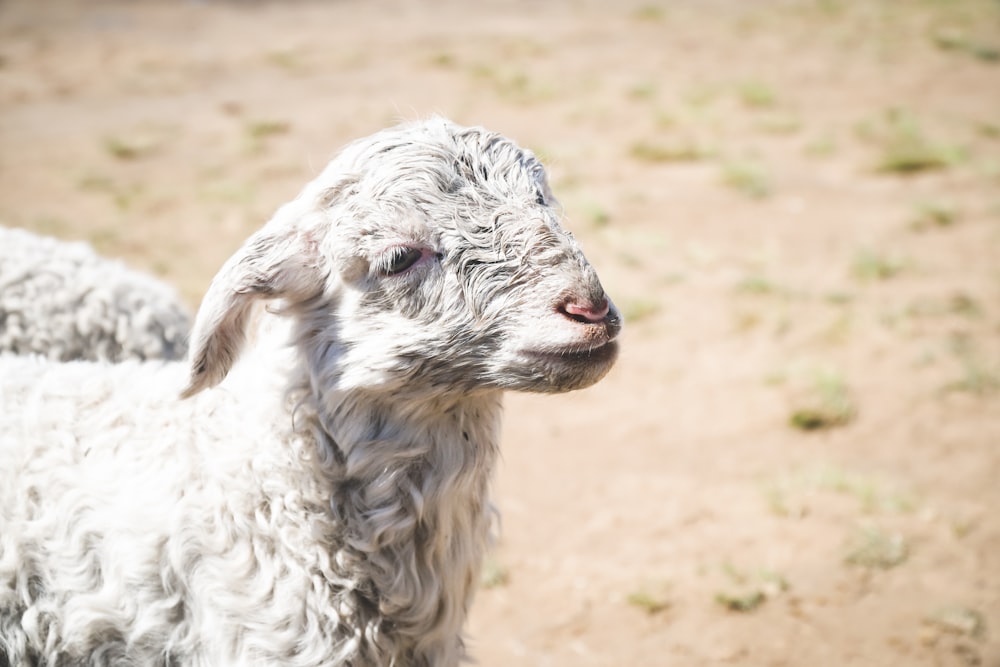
(426, 256)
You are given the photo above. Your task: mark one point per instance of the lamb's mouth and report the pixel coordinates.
(604, 353)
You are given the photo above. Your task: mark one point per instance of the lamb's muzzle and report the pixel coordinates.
(586, 311)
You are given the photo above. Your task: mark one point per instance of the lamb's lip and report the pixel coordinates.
(599, 353)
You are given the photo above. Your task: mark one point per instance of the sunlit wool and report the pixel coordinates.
(61, 300)
(325, 500)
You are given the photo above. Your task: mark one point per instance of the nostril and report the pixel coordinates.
(585, 312)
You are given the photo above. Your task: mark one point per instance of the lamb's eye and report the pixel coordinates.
(399, 259)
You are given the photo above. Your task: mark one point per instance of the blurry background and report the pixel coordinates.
(795, 203)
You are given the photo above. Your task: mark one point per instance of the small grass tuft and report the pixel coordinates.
(650, 603)
(951, 40)
(637, 310)
(642, 91)
(906, 149)
(649, 13)
(788, 494)
(826, 403)
(960, 621)
(988, 130)
(757, 284)
(978, 376)
(258, 132)
(820, 147)
(930, 214)
(756, 95)
(683, 151)
(875, 548)
(127, 148)
(750, 590)
(748, 177)
(512, 85)
(287, 60)
(779, 124)
(443, 59)
(744, 603)
(597, 215)
(493, 574)
(873, 266)
(262, 129)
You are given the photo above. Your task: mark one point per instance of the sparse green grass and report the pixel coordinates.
(959, 620)
(783, 124)
(123, 195)
(838, 298)
(701, 97)
(958, 303)
(649, 604)
(596, 215)
(493, 574)
(105, 240)
(261, 129)
(823, 146)
(741, 602)
(978, 376)
(749, 177)
(258, 132)
(227, 192)
(757, 284)
(511, 85)
(988, 130)
(51, 225)
(935, 213)
(288, 60)
(644, 91)
(123, 147)
(658, 152)
(748, 591)
(875, 548)
(649, 13)
(650, 598)
(443, 59)
(960, 42)
(756, 95)
(906, 148)
(870, 265)
(636, 310)
(788, 494)
(825, 403)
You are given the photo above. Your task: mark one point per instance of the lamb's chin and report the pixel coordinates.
(555, 371)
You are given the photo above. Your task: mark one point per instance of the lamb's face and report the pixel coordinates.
(450, 269)
(428, 257)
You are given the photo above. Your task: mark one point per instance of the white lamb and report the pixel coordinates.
(63, 301)
(324, 501)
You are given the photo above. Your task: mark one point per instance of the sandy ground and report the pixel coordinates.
(796, 204)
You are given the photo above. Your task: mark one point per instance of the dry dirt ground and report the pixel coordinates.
(795, 203)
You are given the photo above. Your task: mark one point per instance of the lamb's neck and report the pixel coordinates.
(413, 503)
(441, 450)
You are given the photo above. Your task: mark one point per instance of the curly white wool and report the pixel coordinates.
(325, 500)
(61, 300)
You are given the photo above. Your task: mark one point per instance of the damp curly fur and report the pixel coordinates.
(61, 300)
(311, 487)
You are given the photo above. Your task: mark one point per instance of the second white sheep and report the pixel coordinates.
(61, 300)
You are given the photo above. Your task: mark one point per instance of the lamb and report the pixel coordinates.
(322, 500)
(63, 301)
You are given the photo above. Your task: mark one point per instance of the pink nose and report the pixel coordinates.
(585, 311)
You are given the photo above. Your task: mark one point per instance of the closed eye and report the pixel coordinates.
(397, 260)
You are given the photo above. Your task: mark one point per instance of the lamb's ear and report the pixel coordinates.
(281, 261)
